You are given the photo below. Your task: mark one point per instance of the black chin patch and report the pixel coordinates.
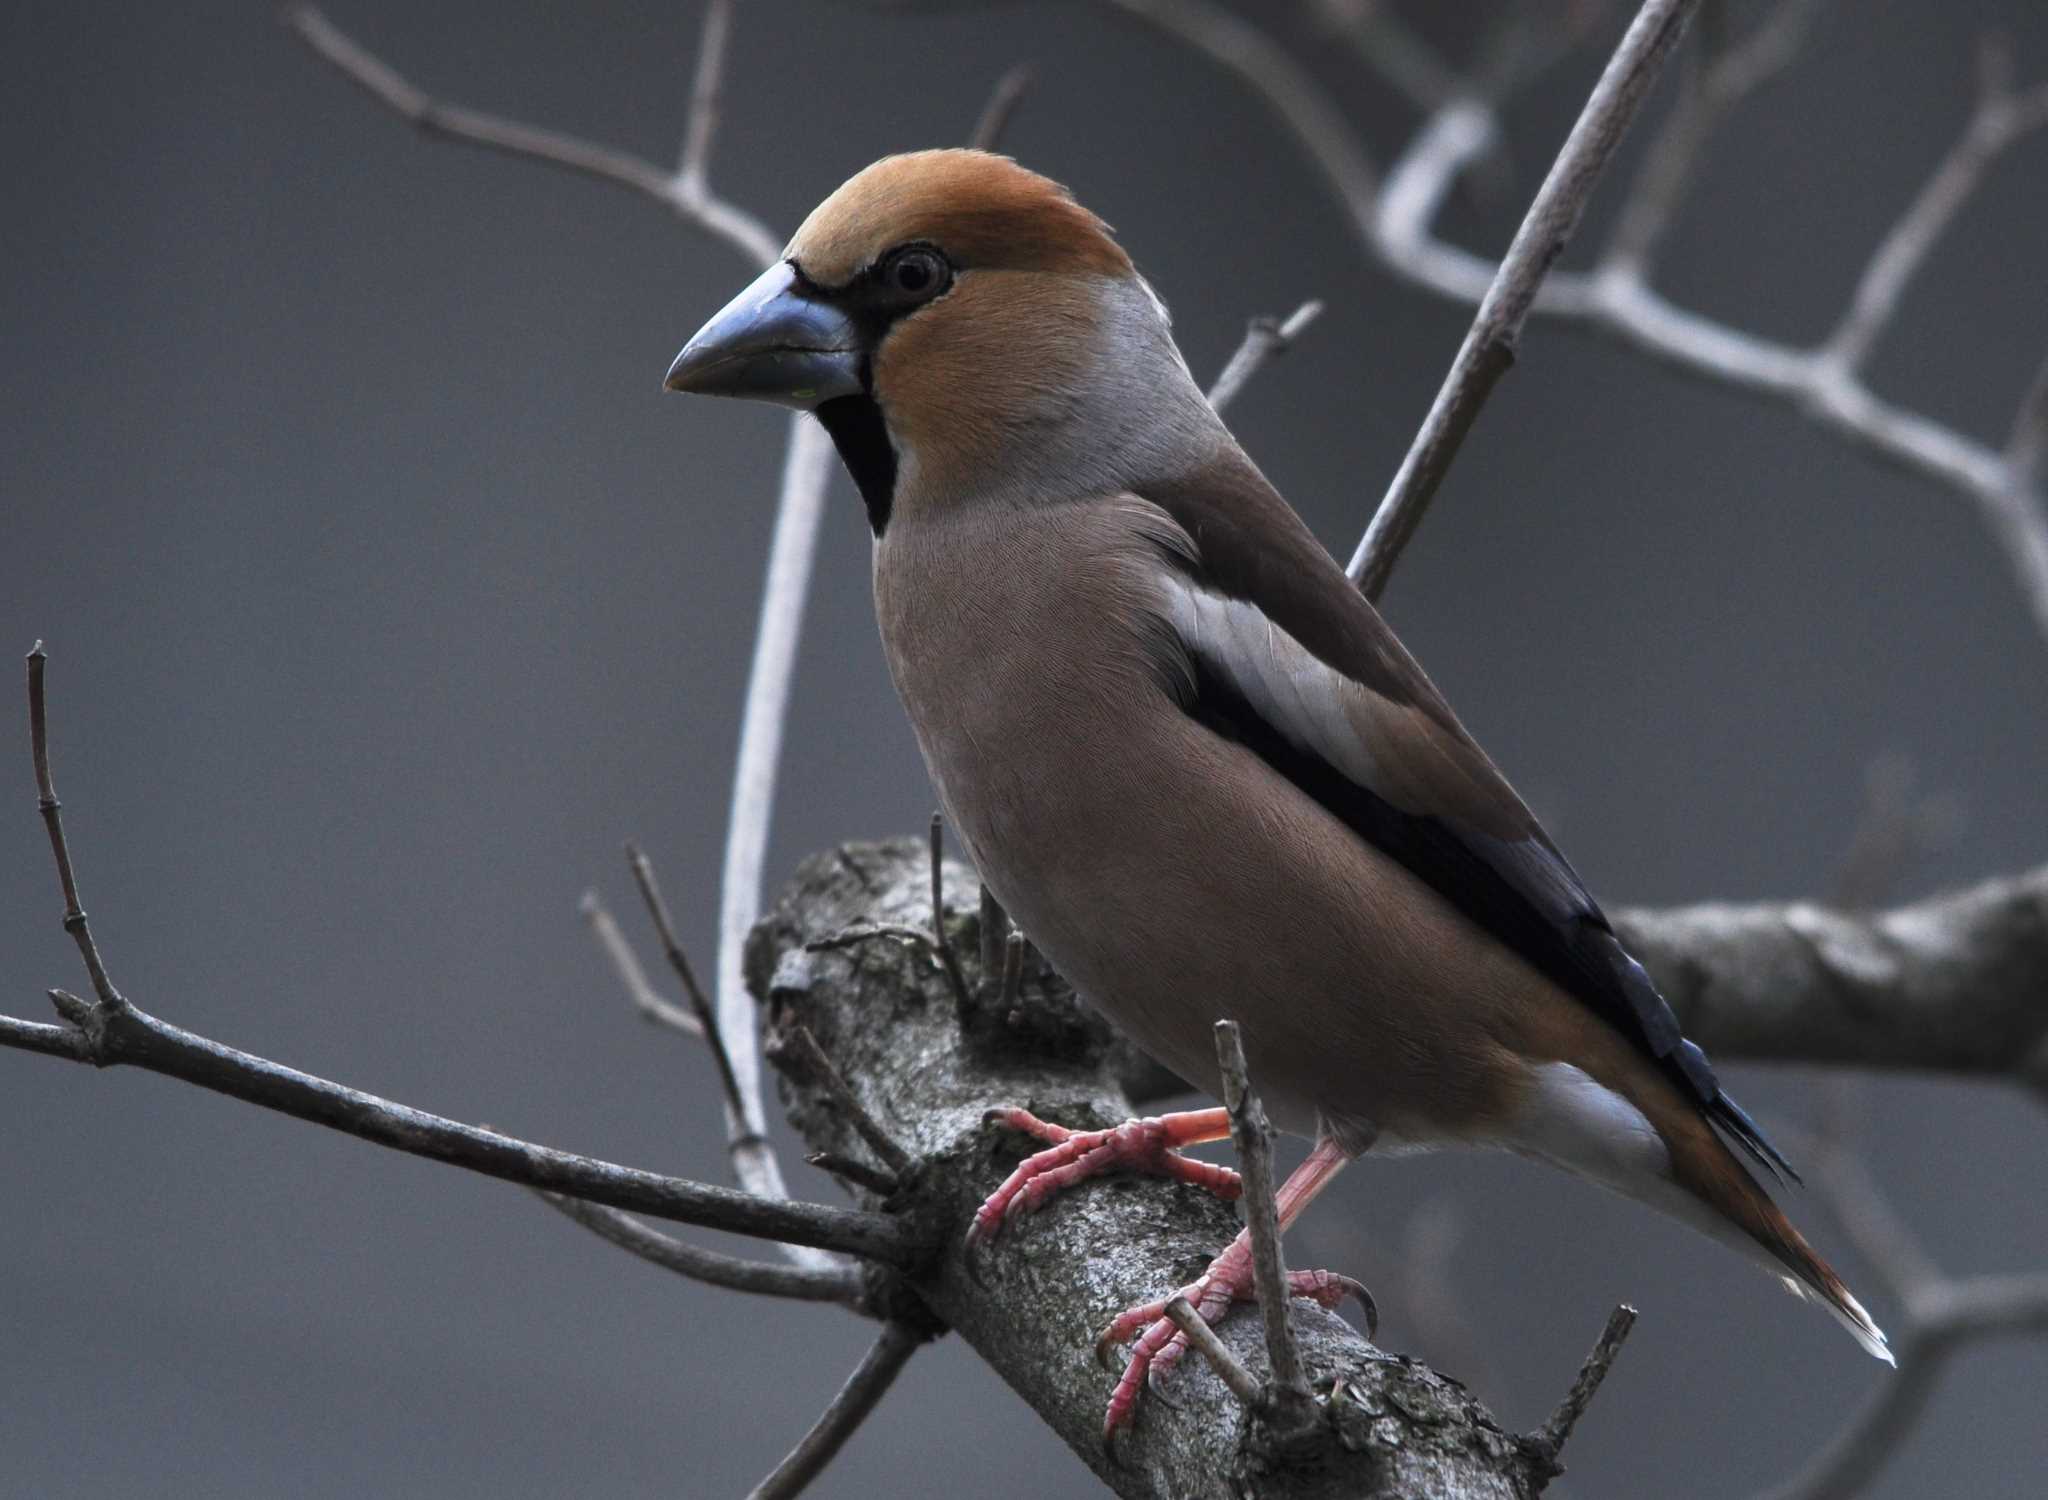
(855, 423)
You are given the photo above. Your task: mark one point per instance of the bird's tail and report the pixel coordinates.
(1733, 1207)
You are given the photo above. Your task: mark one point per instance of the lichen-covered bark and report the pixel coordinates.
(927, 1071)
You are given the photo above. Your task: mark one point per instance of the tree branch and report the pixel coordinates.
(1942, 1316)
(1394, 226)
(927, 1074)
(1265, 339)
(128, 1036)
(650, 1002)
(1489, 348)
(766, 1278)
(869, 1382)
(384, 83)
(1951, 984)
(2002, 117)
(1254, 1140)
(1002, 104)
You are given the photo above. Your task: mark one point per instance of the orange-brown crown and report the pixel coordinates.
(979, 209)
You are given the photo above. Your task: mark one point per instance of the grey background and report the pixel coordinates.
(387, 593)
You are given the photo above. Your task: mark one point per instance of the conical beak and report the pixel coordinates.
(773, 342)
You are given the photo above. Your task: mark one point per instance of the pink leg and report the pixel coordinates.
(1148, 1145)
(1229, 1279)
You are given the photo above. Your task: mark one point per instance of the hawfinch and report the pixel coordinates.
(1189, 756)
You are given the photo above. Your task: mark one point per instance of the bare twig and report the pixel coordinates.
(1489, 348)
(798, 510)
(1723, 71)
(762, 722)
(831, 1283)
(109, 1031)
(2027, 445)
(859, 1173)
(1942, 1314)
(1392, 49)
(994, 929)
(819, 1069)
(866, 1386)
(388, 86)
(1265, 339)
(129, 1036)
(2001, 118)
(1013, 970)
(693, 166)
(40, 1036)
(942, 946)
(1001, 107)
(1395, 227)
(738, 1134)
(632, 977)
(53, 824)
(1553, 1433)
(1202, 1338)
(1254, 1140)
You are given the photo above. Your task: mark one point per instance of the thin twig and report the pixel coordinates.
(1394, 50)
(1254, 1140)
(130, 1036)
(40, 1036)
(1723, 72)
(110, 1031)
(53, 824)
(1552, 1434)
(866, 1386)
(1942, 1314)
(693, 166)
(1001, 107)
(700, 1004)
(632, 977)
(2027, 446)
(1013, 971)
(942, 946)
(384, 83)
(763, 720)
(798, 510)
(1265, 339)
(1489, 348)
(2001, 118)
(994, 930)
(1395, 228)
(767, 1278)
(810, 1058)
(859, 1173)
(1202, 1338)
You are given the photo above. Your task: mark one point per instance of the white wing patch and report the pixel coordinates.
(1309, 702)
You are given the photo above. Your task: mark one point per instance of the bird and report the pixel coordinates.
(1188, 755)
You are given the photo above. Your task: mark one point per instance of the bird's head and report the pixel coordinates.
(965, 330)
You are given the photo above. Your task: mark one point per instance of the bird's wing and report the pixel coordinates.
(1289, 659)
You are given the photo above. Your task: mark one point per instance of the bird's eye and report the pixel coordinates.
(917, 271)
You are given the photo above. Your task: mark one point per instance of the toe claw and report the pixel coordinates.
(1155, 1383)
(971, 1256)
(1115, 1437)
(1106, 1344)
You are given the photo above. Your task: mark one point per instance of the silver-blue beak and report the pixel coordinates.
(773, 342)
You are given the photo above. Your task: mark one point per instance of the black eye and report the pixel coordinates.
(915, 271)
